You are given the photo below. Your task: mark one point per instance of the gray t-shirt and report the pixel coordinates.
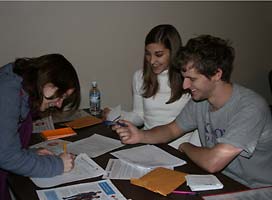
(244, 122)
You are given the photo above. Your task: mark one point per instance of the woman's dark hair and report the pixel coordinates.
(51, 68)
(208, 54)
(168, 36)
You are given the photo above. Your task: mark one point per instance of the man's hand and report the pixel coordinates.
(129, 134)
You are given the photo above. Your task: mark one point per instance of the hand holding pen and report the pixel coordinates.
(129, 134)
(67, 158)
(116, 121)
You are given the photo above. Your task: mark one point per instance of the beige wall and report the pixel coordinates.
(105, 40)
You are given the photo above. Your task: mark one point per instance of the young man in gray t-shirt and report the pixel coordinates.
(234, 123)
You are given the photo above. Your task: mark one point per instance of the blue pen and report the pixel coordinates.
(112, 123)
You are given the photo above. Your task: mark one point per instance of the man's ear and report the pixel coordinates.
(218, 74)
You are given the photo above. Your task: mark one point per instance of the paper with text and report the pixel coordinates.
(99, 190)
(148, 156)
(43, 124)
(94, 145)
(84, 168)
(116, 169)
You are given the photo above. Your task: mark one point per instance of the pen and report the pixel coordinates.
(64, 147)
(184, 192)
(111, 123)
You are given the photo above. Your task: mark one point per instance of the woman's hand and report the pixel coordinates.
(68, 161)
(105, 113)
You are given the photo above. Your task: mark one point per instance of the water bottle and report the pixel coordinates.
(95, 99)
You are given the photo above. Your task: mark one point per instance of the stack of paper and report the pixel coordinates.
(148, 156)
(136, 162)
(203, 182)
(58, 133)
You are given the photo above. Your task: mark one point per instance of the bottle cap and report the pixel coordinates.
(94, 84)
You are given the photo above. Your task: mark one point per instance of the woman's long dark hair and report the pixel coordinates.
(168, 36)
(51, 68)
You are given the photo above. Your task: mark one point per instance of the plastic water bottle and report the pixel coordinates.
(95, 99)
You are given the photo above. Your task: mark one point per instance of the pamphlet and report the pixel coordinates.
(99, 190)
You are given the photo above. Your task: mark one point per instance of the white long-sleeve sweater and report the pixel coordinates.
(154, 111)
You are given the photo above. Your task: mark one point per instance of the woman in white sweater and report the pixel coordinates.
(158, 96)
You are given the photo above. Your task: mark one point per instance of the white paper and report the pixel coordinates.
(94, 145)
(55, 146)
(43, 124)
(114, 114)
(148, 156)
(203, 182)
(117, 169)
(84, 168)
(100, 190)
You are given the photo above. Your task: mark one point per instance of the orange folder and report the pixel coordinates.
(58, 133)
(160, 180)
(83, 122)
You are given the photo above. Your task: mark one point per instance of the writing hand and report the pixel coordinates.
(68, 161)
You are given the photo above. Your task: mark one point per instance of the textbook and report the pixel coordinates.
(58, 133)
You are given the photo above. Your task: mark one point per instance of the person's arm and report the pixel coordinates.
(211, 159)
(129, 134)
(137, 114)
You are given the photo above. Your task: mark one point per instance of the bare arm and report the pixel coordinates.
(211, 159)
(160, 134)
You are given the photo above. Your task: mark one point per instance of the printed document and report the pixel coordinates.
(117, 169)
(43, 124)
(84, 168)
(94, 145)
(148, 156)
(100, 190)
